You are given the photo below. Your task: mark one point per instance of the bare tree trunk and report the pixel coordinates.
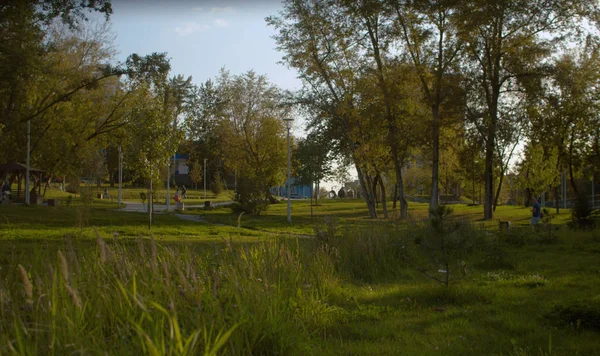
(394, 196)
(368, 196)
(498, 190)
(555, 189)
(401, 196)
(383, 198)
(489, 175)
(150, 202)
(47, 185)
(435, 168)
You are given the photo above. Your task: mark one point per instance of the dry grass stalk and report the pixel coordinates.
(182, 279)
(101, 247)
(27, 285)
(38, 284)
(51, 273)
(64, 266)
(140, 243)
(74, 296)
(166, 272)
(154, 259)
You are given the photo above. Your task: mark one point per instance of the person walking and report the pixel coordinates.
(535, 212)
(183, 191)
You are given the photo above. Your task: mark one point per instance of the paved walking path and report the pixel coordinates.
(137, 207)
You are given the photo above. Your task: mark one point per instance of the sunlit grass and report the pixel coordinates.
(354, 290)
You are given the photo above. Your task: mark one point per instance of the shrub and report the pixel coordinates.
(583, 215)
(251, 197)
(577, 315)
(446, 247)
(217, 186)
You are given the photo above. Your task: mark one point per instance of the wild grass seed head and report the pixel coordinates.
(166, 273)
(64, 266)
(26, 284)
(74, 296)
(101, 247)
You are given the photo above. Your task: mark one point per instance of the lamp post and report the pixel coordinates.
(120, 176)
(27, 201)
(205, 178)
(288, 126)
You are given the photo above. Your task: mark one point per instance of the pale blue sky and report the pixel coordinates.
(201, 37)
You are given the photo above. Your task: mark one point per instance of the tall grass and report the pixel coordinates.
(280, 296)
(125, 298)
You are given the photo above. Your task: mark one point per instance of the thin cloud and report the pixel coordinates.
(189, 28)
(221, 23)
(221, 10)
(197, 9)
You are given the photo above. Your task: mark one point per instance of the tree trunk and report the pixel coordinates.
(383, 198)
(435, 168)
(498, 190)
(374, 187)
(489, 173)
(556, 197)
(47, 184)
(394, 196)
(150, 202)
(368, 196)
(401, 196)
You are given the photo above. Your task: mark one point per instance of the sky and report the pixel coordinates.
(203, 36)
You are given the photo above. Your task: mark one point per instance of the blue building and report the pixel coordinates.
(303, 191)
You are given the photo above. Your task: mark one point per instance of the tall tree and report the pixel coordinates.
(507, 40)
(429, 33)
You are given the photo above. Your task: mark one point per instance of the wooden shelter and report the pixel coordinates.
(16, 171)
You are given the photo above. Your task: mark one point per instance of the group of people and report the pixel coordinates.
(179, 196)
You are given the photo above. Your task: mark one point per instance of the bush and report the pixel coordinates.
(217, 186)
(578, 315)
(583, 215)
(251, 197)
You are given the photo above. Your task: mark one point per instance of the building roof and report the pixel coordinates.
(14, 167)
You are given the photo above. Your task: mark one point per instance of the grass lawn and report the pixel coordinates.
(194, 196)
(197, 288)
(354, 212)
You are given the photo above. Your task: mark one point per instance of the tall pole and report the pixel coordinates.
(28, 158)
(120, 176)
(289, 204)
(169, 184)
(205, 178)
(565, 190)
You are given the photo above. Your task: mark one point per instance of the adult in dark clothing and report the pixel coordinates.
(535, 212)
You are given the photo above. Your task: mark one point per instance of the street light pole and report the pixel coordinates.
(205, 178)
(120, 176)
(288, 125)
(27, 201)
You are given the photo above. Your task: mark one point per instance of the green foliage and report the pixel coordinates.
(217, 185)
(196, 172)
(583, 215)
(578, 315)
(250, 197)
(446, 247)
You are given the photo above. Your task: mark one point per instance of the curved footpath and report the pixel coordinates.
(135, 207)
